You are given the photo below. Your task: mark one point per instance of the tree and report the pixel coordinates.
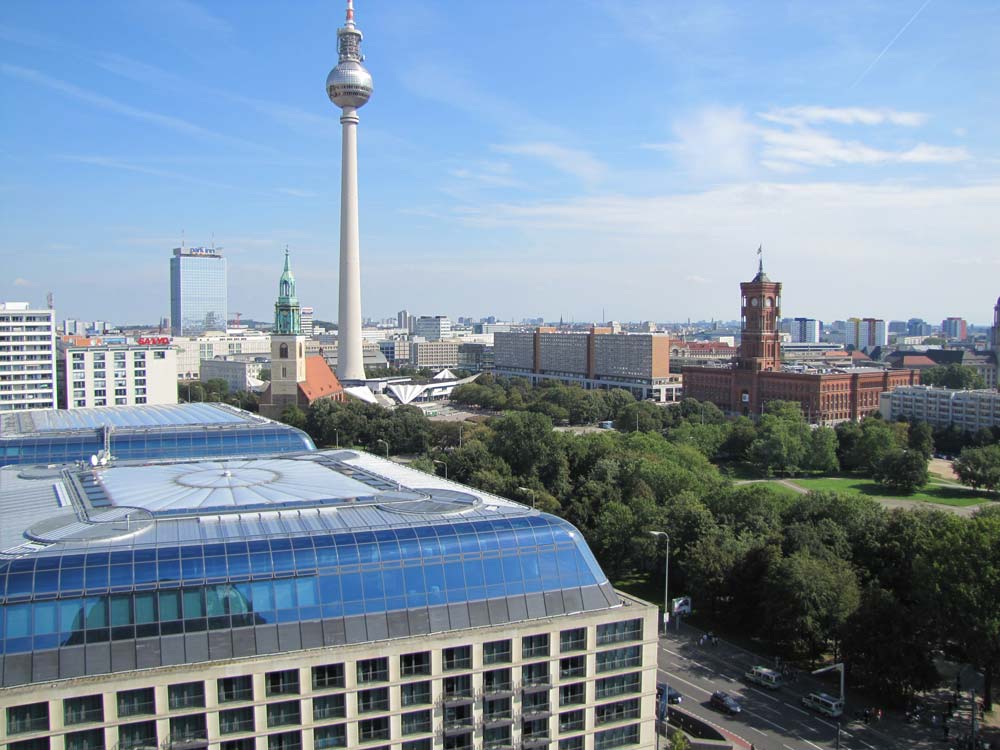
(294, 416)
(921, 438)
(522, 439)
(876, 441)
(888, 646)
(640, 416)
(959, 377)
(822, 451)
(782, 443)
(979, 467)
(680, 742)
(961, 578)
(265, 373)
(902, 471)
(809, 601)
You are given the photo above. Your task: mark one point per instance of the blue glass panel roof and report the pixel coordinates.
(94, 564)
(168, 415)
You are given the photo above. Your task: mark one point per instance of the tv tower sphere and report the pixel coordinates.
(349, 83)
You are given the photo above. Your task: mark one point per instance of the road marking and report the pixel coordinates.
(796, 708)
(691, 684)
(758, 731)
(764, 718)
(811, 743)
(821, 721)
(688, 658)
(761, 693)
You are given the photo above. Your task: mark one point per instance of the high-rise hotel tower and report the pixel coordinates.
(349, 86)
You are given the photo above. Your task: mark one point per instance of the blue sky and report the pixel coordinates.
(516, 159)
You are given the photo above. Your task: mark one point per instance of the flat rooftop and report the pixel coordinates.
(49, 421)
(139, 503)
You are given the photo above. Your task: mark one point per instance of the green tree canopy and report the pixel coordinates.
(959, 377)
(902, 471)
(979, 467)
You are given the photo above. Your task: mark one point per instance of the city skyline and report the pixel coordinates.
(519, 168)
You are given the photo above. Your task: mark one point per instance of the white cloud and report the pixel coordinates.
(811, 115)
(572, 161)
(715, 142)
(108, 104)
(924, 153)
(23, 282)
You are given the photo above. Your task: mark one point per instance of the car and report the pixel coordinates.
(673, 696)
(724, 702)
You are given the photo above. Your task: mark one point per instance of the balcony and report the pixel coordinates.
(534, 741)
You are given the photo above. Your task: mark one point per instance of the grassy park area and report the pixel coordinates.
(938, 492)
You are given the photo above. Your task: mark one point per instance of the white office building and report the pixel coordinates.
(941, 407)
(432, 327)
(27, 357)
(117, 375)
(191, 350)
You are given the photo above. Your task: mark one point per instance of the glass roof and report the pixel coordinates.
(93, 418)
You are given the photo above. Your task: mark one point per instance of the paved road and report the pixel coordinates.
(770, 720)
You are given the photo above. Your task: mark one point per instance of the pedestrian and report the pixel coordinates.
(934, 720)
(868, 715)
(879, 714)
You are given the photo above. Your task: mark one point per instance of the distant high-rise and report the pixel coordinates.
(403, 319)
(432, 327)
(954, 328)
(804, 330)
(917, 327)
(28, 345)
(995, 338)
(307, 321)
(198, 291)
(349, 86)
(866, 333)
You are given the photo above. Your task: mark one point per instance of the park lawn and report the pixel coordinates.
(934, 492)
(781, 489)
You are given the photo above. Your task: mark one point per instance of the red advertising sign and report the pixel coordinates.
(154, 340)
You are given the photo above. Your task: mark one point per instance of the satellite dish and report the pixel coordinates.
(93, 460)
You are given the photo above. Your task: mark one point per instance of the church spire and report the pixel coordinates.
(287, 315)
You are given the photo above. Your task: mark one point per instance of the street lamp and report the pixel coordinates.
(336, 437)
(384, 442)
(843, 697)
(444, 464)
(666, 579)
(530, 492)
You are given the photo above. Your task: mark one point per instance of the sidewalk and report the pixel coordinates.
(893, 727)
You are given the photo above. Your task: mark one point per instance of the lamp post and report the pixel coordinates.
(336, 437)
(444, 464)
(386, 444)
(843, 696)
(666, 579)
(530, 492)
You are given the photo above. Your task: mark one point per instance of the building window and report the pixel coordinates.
(496, 652)
(619, 632)
(461, 741)
(534, 646)
(534, 729)
(246, 743)
(285, 741)
(135, 736)
(186, 695)
(32, 717)
(417, 722)
(458, 687)
(496, 681)
(284, 713)
(617, 737)
(622, 684)
(572, 743)
(373, 670)
(573, 666)
(159, 355)
(329, 707)
(535, 703)
(285, 682)
(328, 676)
(325, 738)
(38, 743)
(139, 702)
(618, 658)
(424, 744)
(370, 730)
(628, 709)
(459, 657)
(83, 709)
(415, 694)
(188, 728)
(415, 664)
(497, 709)
(573, 640)
(535, 674)
(233, 689)
(571, 721)
(91, 739)
(283, 351)
(376, 699)
(572, 695)
(495, 738)
(236, 720)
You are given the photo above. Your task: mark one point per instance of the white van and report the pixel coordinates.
(764, 677)
(825, 704)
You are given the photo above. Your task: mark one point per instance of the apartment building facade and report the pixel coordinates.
(27, 357)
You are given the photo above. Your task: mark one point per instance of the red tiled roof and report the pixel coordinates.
(911, 360)
(320, 381)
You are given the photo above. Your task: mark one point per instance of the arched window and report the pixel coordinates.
(283, 351)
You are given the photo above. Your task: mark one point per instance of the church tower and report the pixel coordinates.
(760, 345)
(288, 345)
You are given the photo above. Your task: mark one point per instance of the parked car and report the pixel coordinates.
(724, 702)
(763, 676)
(673, 696)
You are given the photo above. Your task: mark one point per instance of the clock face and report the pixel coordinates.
(768, 302)
(754, 302)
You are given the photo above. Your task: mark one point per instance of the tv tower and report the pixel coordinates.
(349, 86)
